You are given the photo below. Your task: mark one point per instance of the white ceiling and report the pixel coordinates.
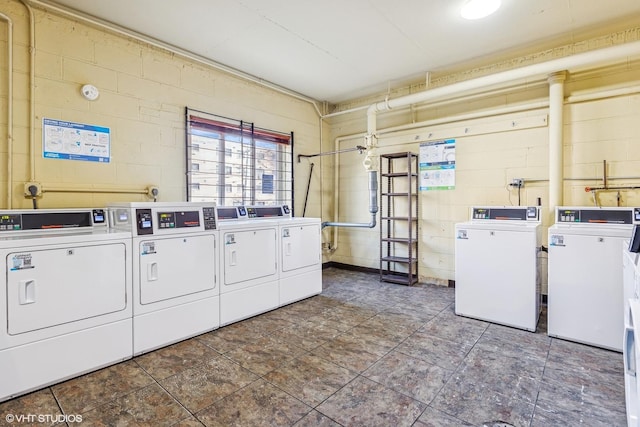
(336, 50)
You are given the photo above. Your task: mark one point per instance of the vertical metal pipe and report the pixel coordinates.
(9, 109)
(556, 122)
(306, 197)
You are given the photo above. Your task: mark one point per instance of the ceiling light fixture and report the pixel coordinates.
(476, 9)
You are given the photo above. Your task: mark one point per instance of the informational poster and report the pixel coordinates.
(75, 141)
(438, 165)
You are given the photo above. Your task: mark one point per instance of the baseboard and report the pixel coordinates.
(333, 264)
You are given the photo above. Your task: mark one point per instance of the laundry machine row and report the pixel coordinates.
(158, 273)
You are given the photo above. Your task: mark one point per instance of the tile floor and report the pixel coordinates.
(363, 353)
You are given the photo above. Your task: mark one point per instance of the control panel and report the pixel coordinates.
(519, 213)
(226, 213)
(52, 219)
(282, 211)
(567, 215)
(147, 218)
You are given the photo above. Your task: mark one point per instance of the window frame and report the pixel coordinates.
(250, 139)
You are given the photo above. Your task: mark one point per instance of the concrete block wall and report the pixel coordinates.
(487, 161)
(143, 94)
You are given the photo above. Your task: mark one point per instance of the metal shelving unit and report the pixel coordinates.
(399, 218)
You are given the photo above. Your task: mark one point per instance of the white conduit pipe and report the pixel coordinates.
(9, 109)
(605, 56)
(32, 90)
(579, 61)
(68, 12)
(556, 124)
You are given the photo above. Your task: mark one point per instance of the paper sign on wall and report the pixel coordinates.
(75, 141)
(438, 165)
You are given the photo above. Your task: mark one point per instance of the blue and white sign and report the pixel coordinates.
(438, 165)
(75, 141)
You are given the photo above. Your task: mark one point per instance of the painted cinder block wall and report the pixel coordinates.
(491, 151)
(143, 94)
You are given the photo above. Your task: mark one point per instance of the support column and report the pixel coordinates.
(556, 124)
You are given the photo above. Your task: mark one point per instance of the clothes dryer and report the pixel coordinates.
(66, 301)
(585, 300)
(176, 294)
(300, 258)
(248, 261)
(497, 267)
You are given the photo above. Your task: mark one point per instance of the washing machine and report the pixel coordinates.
(631, 356)
(585, 301)
(248, 261)
(497, 266)
(175, 289)
(65, 305)
(300, 257)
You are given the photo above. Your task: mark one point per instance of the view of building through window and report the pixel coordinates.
(233, 163)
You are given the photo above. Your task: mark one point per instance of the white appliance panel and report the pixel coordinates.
(298, 287)
(631, 355)
(249, 255)
(588, 266)
(300, 246)
(246, 302)
(496, 274)
(176, 266)
(50, 287)
(160, 328)
(41, 363)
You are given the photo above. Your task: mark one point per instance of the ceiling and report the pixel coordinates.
(336, 50)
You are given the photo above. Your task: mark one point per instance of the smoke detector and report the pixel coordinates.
(90, 92)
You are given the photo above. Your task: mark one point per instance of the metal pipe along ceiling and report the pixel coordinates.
(9, 109)
(576, 62)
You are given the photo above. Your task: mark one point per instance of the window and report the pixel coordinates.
(238, 163)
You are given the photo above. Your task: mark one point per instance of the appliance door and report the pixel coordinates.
(300, 246)
(496, 273)
(249, 255)
(55, 286)
(631, 352)
(629, 260)
(176, 266)
(585, 288)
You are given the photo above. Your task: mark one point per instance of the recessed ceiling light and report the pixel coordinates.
(476, 9)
